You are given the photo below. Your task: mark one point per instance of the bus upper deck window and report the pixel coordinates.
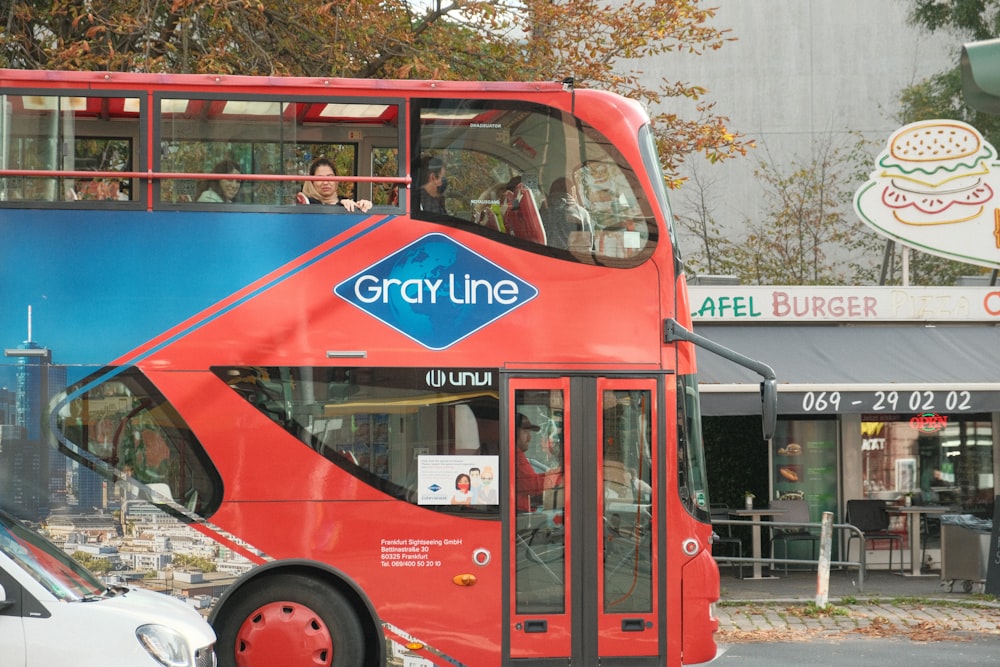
(68, 133)
(274, 142)
(535, 174)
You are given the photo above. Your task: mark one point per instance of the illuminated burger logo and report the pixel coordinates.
(933, 188)
(936, 173)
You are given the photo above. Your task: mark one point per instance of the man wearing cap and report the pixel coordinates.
(528, 481)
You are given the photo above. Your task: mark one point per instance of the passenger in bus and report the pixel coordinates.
(563, 216)
(528, 481)
(95, 189)
(222, 190)
(325, 192)
(433, 182)
(486, 209)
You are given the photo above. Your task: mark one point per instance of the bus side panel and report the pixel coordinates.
(435, 576)
(298, 318)
(419, 568)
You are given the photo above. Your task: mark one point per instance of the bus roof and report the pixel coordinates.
(47, 78)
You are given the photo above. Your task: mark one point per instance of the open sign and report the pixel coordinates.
(929, 422)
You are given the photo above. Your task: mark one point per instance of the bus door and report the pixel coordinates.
(584, 566)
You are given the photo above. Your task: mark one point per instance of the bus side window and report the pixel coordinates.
(385, 426)
(68, 132)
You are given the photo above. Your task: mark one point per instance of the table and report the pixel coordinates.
(755, 515)
(913, 527)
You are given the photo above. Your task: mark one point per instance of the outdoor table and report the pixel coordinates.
(913, 528)
(755, 516)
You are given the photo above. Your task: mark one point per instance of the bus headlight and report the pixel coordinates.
(166, 645)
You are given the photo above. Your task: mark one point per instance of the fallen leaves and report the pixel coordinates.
(924, 631)
(842, 622)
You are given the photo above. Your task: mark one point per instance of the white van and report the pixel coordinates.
(53, 611)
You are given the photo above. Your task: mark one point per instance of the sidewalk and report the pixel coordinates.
(891, 605)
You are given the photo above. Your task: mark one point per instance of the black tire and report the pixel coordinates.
(266, 623)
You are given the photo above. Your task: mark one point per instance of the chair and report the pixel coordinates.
(872, 519)
(520, 213)
(734, 544)
(794, 511)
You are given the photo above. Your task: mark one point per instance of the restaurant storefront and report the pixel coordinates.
(889, 393)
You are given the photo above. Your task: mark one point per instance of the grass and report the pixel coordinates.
(811, 609)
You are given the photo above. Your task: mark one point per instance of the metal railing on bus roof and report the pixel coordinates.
(183, 175)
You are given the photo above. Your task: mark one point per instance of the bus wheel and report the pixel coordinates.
(289, 620)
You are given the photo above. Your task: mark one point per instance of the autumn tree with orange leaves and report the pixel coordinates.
(429, 39)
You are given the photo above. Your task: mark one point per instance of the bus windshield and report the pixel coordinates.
(692, 476)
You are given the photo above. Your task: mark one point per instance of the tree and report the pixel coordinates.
(980, 19)
(92, 563)
(443, 39)
(808, 230)
(710, 255)
(184, 561)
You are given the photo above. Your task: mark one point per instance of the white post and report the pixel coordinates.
(823, 573)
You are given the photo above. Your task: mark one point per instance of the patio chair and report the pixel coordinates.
(795, 511)
(872, 519)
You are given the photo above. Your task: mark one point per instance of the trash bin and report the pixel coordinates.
(965, 546)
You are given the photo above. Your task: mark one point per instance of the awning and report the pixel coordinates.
(855, 369)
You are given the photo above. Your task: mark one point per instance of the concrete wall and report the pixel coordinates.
(801, 70)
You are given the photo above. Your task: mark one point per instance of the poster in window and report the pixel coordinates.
(458, 480)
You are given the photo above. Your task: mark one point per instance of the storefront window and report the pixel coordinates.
(804, 456)
(935, 459)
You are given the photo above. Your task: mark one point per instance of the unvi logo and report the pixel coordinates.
(436, 291)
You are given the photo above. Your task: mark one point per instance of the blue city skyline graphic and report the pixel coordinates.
(436, 291)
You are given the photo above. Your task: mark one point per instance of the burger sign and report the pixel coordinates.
(935, 188)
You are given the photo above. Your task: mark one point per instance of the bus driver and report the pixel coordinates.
(528, 481)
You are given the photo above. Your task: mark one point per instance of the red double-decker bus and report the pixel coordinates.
(448, 418)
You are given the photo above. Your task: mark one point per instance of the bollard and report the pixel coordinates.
(823, 571)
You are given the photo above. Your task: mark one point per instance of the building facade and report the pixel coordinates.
(890, 393)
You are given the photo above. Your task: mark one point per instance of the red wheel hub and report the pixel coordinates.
(284, 633)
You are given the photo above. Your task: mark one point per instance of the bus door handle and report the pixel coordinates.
(633, 625)
(537, 625)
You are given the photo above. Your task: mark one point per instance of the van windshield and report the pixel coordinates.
(58, 573)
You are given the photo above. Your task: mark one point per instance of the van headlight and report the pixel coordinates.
(166, 645)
